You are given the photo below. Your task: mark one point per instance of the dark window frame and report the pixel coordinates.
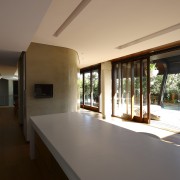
(83, 71)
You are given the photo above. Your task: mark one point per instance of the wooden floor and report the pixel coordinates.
(14, 151)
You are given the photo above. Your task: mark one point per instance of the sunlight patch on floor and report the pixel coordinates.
(134, 126)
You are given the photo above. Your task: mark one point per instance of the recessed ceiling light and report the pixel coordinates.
(72, 16)
(150, 36)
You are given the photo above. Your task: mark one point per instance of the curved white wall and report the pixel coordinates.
(51, 65)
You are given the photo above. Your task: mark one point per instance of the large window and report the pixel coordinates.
(90, 88)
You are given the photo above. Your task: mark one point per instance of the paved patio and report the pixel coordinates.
(169, 120)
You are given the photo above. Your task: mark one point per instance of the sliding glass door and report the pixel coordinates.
(90, 88)
(130, 90)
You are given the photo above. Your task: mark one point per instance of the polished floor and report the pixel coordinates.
(15, 163)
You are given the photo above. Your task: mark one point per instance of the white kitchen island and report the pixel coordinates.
(90, 149)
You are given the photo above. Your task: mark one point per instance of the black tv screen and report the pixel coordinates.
(43, 90)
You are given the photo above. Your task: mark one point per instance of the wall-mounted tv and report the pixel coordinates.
(43, 90)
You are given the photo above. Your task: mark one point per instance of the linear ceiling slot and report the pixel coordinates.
(72, 16)
(150, 36)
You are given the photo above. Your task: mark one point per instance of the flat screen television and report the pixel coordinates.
(43, 90)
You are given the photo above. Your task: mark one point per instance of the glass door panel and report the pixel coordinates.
(137, 91)
(144, 89)
(95, 88)
(126, 90)
(117, 91)
(87, 88)
(81, 88)
(141, 90)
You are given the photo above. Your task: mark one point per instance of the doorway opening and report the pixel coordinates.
(165, 91)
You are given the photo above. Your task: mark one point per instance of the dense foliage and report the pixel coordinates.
(172, 85)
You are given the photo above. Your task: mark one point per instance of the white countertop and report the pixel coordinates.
(90, 149)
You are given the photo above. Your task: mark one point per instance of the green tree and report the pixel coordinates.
(156, 84)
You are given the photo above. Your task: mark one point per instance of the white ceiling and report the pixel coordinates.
(19, 22)
(96, 32)
(104, 25)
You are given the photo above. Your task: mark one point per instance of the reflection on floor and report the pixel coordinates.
(164, 134)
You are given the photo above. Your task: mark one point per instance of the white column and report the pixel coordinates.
(106, 88)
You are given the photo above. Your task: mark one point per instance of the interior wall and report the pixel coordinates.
(47, 64)
(3, 92)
